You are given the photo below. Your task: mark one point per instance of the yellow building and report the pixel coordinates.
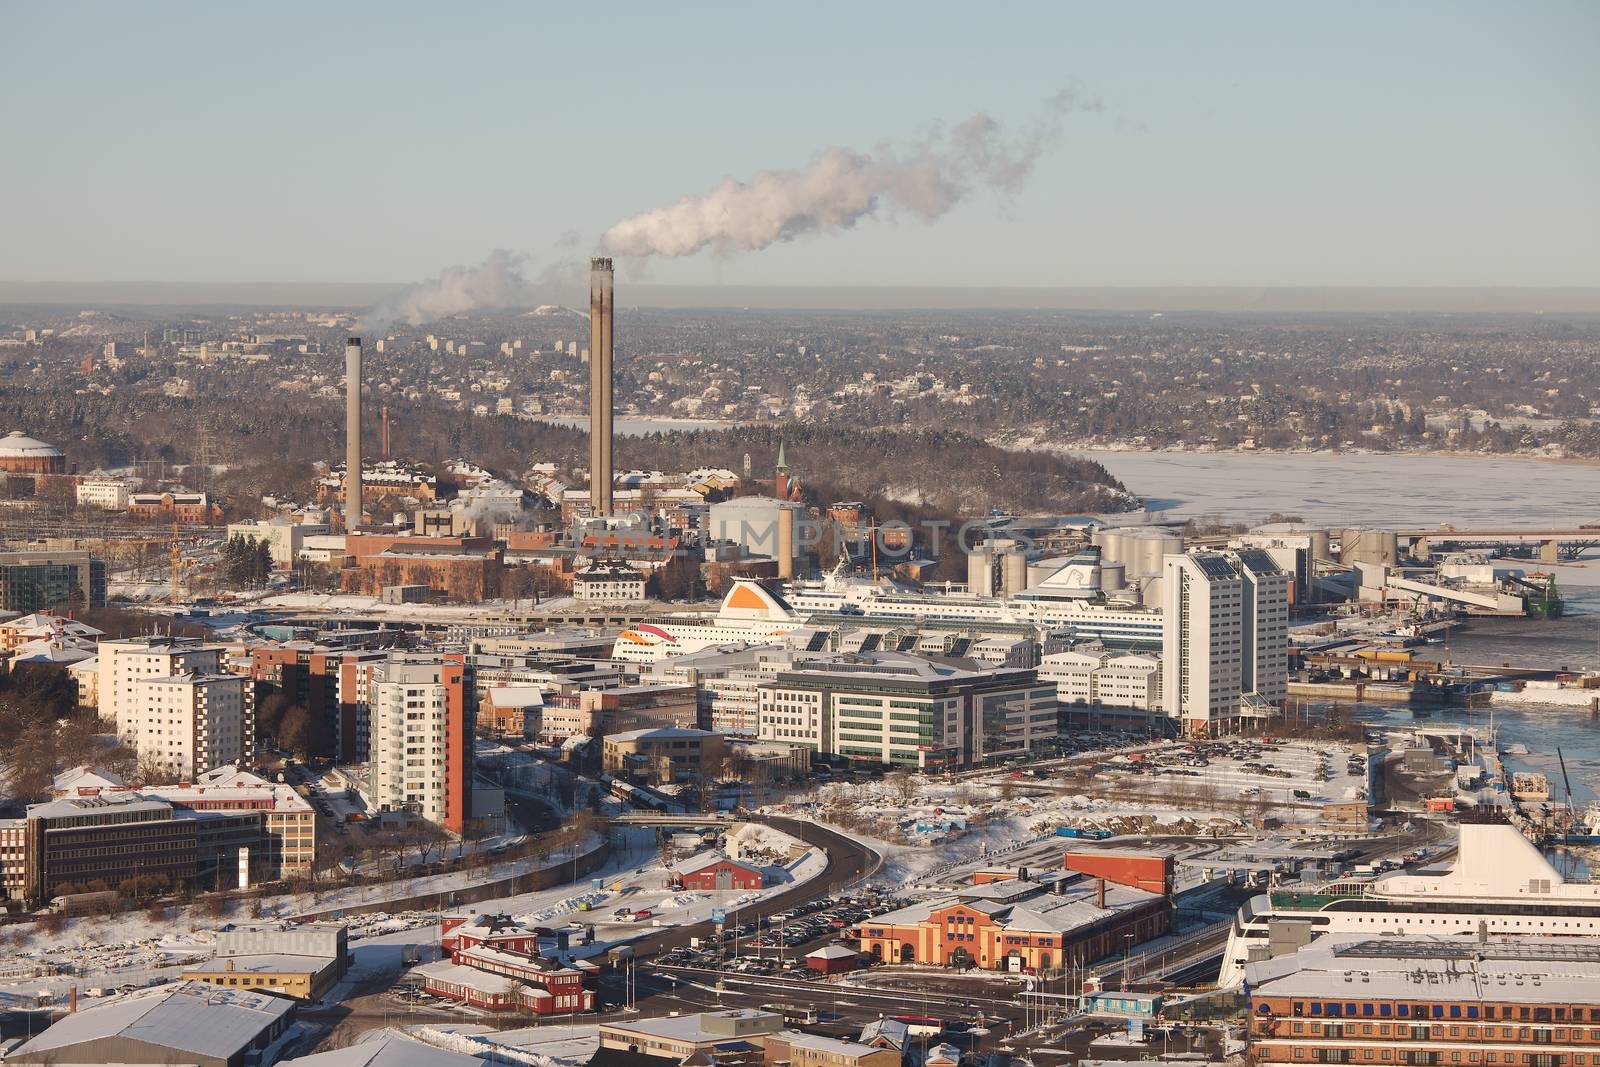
(664, 756)
(300, 977)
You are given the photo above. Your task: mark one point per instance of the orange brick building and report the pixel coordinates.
(1065, 919)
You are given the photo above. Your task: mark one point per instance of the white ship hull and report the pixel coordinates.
(1500, 884)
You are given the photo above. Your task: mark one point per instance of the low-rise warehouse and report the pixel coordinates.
(188, 1023)
(300, 977)
(682, 1036)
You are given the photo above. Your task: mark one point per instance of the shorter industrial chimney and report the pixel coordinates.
(352, 434)
(785, 541)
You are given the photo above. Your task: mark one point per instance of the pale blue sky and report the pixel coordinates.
(1418, 143)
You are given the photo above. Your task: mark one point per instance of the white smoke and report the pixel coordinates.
(497, 282)
(840, 187)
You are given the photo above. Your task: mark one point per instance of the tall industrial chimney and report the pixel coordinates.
(352, 434)
(600, 283)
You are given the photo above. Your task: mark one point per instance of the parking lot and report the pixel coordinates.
(775, 945)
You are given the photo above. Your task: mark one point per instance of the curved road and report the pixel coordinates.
(849, 861)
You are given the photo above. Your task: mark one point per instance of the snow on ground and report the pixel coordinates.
(922, 825)
(136, 948)
(372, 606)
(636, 880)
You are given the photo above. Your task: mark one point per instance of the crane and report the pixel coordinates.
(1566, 782)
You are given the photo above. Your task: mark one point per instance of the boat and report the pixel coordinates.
(1516, 749)
(1500, 884)
(1529, 785)
(1586, 831)
(1542, 600)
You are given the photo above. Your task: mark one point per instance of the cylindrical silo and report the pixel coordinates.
(1109, 541)
(1321, 544)
(1143, 550)
(980, 571)
(1014, 565)
(1113, 577)
(1362, 544)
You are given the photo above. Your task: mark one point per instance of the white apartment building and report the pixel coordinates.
(409, 739)
(890, 707)
(108, 494)
(1072, 673)
(1265, 666)
(124, 662)
(1202, 641)
(189, 724)
(1225, 637)
(1100, 679)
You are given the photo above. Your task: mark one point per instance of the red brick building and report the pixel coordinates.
(460, 568)
(194, 509)
(1426, 1001)
(21, 454)
(833, 959)
(1149, 871)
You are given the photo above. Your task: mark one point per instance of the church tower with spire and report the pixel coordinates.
(780, 477)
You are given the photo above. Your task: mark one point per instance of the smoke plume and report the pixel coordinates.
(840, 187)
(497, 282)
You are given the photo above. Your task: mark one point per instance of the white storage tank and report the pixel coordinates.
(1014, 568)
(1109, 541)
(1145, 550)
(1365, 544)
(980, 571)
(1113, 577)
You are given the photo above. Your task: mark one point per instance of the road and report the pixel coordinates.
(849, 862)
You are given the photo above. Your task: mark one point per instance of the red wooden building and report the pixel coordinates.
(459, 932)
(710, 871)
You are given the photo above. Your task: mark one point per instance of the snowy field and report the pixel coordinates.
(924, 827)
(134, 949)
(636, 879)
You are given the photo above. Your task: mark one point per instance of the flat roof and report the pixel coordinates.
(664, 733)
(836, 1045)
(689, 1027)
(265, 963)
(1433, 969)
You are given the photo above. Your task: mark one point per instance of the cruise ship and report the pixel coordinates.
(1071, 598)
(751, 614)
(1500, 884)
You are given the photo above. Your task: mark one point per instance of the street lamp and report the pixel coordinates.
(1127, 948)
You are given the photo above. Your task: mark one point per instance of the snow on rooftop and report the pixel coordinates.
(190, 1017)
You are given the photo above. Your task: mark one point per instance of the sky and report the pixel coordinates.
(1426, 143)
